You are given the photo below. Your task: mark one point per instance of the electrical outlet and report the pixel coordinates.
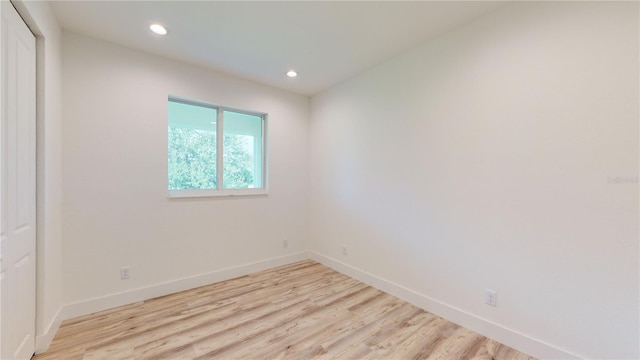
(125, 272)
(344, 249)
(491, 297)
(285, 243)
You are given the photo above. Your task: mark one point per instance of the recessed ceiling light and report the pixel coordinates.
(158, 29)
(292, 73)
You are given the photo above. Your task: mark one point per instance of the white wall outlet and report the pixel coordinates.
(125, 272)
(344, 249)
(491, 297)
(285, 243)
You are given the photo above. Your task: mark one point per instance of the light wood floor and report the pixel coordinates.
(299, 311)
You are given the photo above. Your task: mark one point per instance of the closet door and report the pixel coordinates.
(18, 186)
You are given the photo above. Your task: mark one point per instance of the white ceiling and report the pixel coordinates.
(326, 42)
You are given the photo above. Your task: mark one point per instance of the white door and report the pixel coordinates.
(18, 186)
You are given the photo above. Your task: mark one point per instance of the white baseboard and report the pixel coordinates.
(509, 337)
(114, 300)
(44, 340)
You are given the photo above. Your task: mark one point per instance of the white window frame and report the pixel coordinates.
(221, 191)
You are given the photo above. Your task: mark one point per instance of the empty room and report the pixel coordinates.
(393, 180)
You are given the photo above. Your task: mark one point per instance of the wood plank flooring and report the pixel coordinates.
(303, 310)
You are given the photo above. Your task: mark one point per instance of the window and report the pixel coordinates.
(214, 150)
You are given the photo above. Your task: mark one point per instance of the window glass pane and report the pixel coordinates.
(192, 147)
(242, 153)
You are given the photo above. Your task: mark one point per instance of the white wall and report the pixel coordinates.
(502, 155)
(115, 206)
(42, 22)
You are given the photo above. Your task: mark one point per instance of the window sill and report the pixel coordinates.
(225, 193)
